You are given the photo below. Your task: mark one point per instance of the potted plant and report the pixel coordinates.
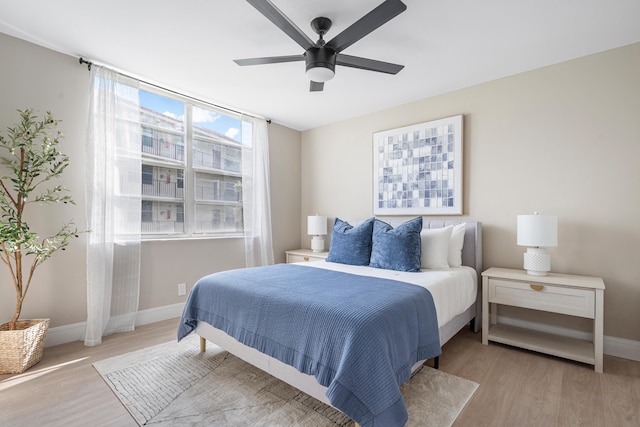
(29, 161)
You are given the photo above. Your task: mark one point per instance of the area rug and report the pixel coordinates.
(174, 384)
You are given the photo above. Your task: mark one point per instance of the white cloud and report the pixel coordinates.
(204, 116)
(172, 115)
(232, 132)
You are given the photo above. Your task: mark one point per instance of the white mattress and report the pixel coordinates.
(453, 290)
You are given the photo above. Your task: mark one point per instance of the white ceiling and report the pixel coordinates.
(445, 45)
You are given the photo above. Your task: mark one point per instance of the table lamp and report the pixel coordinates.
(317, 227)
(537, 232)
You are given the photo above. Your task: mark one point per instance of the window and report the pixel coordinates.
(191, 168)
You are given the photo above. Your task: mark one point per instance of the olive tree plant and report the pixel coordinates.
(30, 162)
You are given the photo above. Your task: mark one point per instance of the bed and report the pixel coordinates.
(319, 382)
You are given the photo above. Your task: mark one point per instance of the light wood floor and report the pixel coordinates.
(517, 387)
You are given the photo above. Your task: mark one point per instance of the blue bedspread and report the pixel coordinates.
(359, 336)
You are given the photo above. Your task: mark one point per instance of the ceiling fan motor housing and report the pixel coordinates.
(321, 63)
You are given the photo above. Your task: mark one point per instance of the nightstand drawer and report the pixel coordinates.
(540, 296)
(291, 258)
(305, 255)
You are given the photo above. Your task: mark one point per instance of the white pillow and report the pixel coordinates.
(455, 245)
(435, 247)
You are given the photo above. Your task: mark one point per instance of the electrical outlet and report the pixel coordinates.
(182, 289)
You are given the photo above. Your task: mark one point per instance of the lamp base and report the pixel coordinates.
(537, 261)
(317, 244)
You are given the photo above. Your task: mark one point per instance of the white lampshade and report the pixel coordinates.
(537, 232)
(317, 227)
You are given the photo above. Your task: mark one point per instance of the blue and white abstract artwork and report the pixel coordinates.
(418, 169)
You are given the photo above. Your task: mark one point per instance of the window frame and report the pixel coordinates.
(190, 171)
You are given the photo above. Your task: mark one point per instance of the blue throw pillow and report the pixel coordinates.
(349, 244)
(397, 248)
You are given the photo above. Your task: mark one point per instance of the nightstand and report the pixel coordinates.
(581, 296)
(302, 255)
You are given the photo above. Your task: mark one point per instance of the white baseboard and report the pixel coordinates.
(617, 347)
(75, 332)
(64, 334)
(159, 314)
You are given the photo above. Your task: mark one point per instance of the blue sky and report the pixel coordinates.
(204, 118)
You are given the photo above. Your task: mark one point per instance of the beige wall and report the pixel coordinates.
(32, 76)
(561, 140)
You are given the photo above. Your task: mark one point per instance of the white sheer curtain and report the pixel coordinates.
(112, 191)
(255, 192)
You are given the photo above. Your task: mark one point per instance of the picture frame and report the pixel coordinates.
(417, 169)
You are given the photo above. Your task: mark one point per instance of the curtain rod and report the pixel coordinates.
(89, 64)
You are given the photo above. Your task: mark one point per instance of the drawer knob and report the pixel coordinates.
(306, 258)
(537, 287)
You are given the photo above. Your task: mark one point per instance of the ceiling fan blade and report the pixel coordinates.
(269, 60)
(368, 64)
(276, 16)
(316, 86)
(372, 20)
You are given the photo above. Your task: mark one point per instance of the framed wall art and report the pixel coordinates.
(417, 169)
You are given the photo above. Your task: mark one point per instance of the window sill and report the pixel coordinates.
(185, 238)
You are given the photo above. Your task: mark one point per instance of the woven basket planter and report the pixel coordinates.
(22, 348)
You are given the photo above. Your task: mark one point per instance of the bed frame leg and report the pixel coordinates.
(436, 362)
(203, 344)
(475, 325)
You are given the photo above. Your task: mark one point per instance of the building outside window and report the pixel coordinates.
(191, 168)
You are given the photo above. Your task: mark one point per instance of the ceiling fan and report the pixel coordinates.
(321, 57)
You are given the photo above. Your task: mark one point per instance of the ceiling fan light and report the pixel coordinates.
(320, 74)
